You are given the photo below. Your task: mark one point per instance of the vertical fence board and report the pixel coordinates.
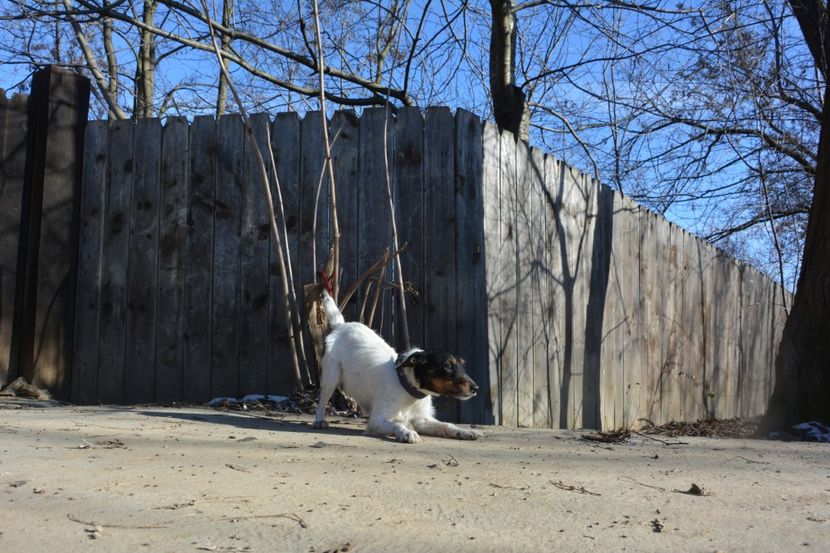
(597, 245)
(175, 158)
(525, 231)
(579, 208)
(314, 194)
(285, 143)
(536, 281)
(491, 177)
(649, 403)
(374, 230)
(198, 269)
(90, 244)
(727, 355)
(227, 229)
(671, 293)
(345, 133)
(471, 327)
(632, 328)
(113, 323)
(690, 364)
(13, 127)
(142, 278)
(553, 302)
(440, 241)
(409, 186)
(507, 299)
(253, 332)
(620, 361)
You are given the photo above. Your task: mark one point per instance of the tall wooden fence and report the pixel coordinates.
(602, 314)
(178, 295)
(155, 278)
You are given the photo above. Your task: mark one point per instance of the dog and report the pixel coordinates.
(395, 391)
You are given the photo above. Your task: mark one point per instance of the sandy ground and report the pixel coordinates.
(160, 479)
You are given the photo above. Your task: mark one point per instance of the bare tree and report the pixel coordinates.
(802, 367)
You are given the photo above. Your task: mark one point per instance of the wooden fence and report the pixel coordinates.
(602, 314)
(178, 296)
(572, 306)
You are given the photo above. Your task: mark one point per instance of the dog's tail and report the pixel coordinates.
(334, 315)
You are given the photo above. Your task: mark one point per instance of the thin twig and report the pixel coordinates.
(119, 526)
(335, 225)
(569, 488)
(645, 485)
(384, 260)
(664, 442)
(406, 342)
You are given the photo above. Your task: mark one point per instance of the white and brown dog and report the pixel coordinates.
(395, 391)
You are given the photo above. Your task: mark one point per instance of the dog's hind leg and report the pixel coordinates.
(383, 427)
(330, 378)
(431, 426)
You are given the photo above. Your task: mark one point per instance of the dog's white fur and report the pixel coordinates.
(363, 365)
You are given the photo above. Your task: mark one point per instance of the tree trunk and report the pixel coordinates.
(145, 67)
(222, 94)
(802, 367)
(112, 60)
(509, 102)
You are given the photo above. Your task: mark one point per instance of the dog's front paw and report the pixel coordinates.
(407, 436)
(321, 425)
(468, 435)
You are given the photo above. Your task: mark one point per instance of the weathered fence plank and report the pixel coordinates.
(539, 291)
(653, 245)
(440, 306)
(631, 331)
(253, 334)
(554, 285)
(345, 154)
(506, 303)
(409, 185)
(142, 277)
(374, 228)
(670, 294)
(314, 194)
(90, 244)
(471, 326)
(285, 143)
(175, 161)
(13, 126)
(526, 230)
(198, 267)
(493, 269)
(113, 323)
(620, 362)
(227, 226)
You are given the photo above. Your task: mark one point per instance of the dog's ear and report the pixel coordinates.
(416, 358)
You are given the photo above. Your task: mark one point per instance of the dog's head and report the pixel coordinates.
(441, 373)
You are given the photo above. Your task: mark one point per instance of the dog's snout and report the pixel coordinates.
(474, 387)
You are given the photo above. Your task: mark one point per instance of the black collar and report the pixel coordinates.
(407, 385)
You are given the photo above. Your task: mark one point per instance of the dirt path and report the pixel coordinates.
(159, 479)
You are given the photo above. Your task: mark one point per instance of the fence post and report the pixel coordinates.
(42, 337)
(12, 162)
